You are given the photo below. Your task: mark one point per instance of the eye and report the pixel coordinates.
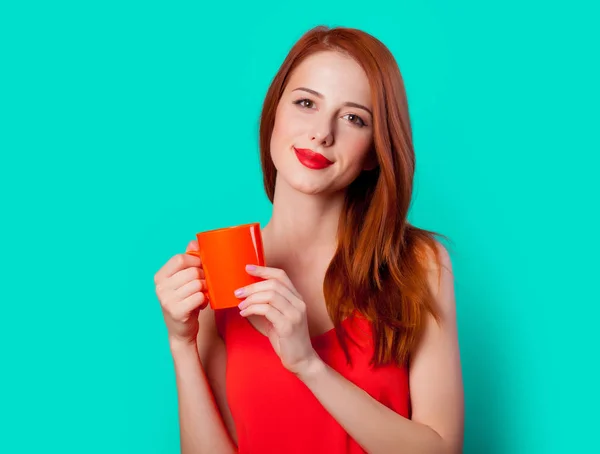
(305, 103)
(355, 119)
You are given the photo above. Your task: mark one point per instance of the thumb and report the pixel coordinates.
(192, 246)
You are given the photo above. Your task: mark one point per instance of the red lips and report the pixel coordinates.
(311, 159)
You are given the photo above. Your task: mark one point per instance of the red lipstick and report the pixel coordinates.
(312, 160)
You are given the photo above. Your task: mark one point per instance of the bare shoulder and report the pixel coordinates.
(437, 261)
(441, 278)
(443, 256)
(435, 368)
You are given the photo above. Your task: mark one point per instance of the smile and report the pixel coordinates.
(311, 159)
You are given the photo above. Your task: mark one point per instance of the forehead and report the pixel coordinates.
(336, 76)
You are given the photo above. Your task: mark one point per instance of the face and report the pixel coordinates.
(323, 130)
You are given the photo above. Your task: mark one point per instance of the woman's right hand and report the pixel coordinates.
(180, 288)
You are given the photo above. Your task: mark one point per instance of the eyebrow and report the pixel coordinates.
(319, 95)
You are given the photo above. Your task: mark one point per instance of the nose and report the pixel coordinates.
(322, 136)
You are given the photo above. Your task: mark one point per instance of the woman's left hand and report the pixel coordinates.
(279, 302)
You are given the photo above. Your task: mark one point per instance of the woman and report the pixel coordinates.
(349, 344)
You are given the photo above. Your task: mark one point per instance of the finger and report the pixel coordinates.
(274, 299)
(182, 277)
(272, 273)
(192, 246)
(266, 286)
(176, 263)
(194, 286)
(193, 302)
(281, 325)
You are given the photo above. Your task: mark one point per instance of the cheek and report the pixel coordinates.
(287, 128)
(358, 150)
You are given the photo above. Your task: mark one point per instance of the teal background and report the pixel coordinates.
(128, 126)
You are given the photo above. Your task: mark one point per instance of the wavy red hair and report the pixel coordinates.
(382, 263)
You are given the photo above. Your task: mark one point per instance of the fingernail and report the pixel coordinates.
(239, 292)
(250, 267)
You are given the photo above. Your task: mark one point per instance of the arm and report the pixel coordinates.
(436, 390)
(206, 425)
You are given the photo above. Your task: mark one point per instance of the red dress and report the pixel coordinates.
(274, 412)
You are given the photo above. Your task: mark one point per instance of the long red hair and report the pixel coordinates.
(381, 264)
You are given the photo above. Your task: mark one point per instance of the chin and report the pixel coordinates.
(301, 182)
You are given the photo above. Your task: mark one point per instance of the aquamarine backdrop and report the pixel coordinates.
(128, 126)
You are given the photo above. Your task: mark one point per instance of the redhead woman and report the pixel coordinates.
(349, 342)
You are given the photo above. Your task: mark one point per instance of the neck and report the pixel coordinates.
(303, 227)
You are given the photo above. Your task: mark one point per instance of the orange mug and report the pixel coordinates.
(225, 253)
